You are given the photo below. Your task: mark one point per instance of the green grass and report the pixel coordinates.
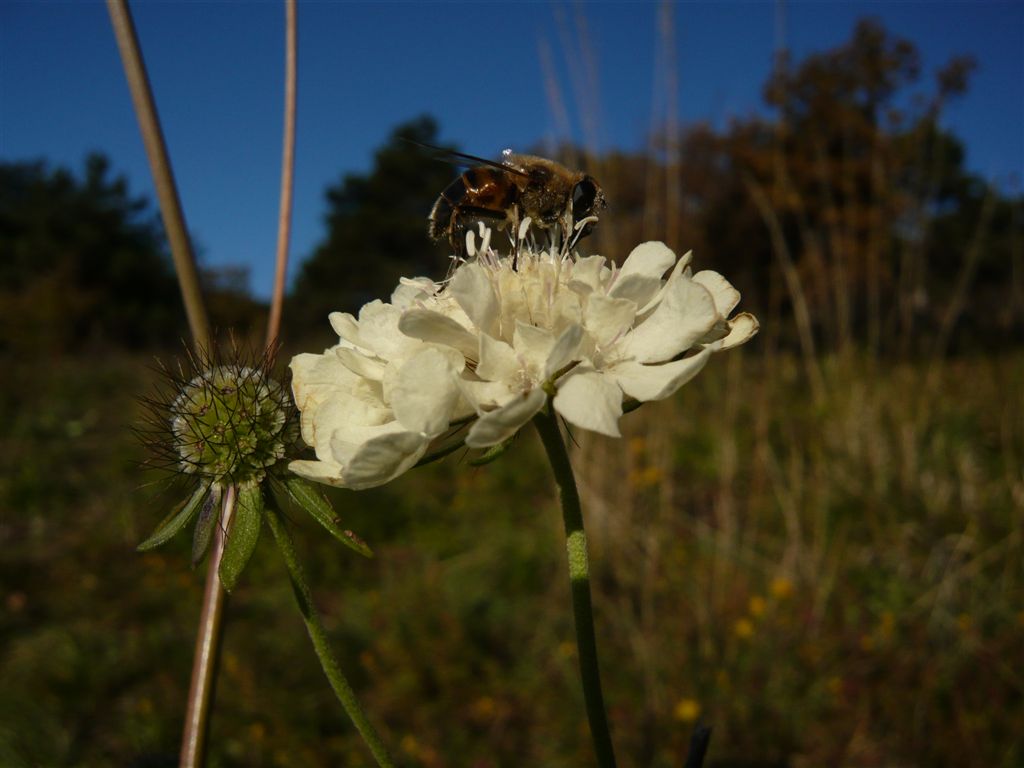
(826, 583)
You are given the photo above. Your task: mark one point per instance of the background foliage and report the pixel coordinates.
(815, 547)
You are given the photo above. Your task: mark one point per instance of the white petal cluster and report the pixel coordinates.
(494, 342)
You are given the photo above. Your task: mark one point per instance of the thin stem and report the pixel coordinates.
(579, 579)
(204, 664)
(193, 744)
(284, 219)
(321, 643)
(163, 177)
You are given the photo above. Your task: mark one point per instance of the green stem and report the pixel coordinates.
(579, 579)
(322, 645)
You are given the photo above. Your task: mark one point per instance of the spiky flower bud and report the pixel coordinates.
(229, 423)
(228, 427)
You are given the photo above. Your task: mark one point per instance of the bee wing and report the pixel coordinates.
(461, 158)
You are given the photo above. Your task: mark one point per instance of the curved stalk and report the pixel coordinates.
(321, 643)
(163, 176)
(579, 578)
(284, 219)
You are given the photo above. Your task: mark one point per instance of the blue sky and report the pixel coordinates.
(217, 70)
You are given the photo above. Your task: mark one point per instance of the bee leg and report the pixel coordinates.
(515, 238)
(457, 237)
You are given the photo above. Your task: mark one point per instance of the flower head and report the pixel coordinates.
(221, 418)
(226, 426)
(229, 423)
(496, 342)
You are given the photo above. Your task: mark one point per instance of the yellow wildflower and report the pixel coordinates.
(756, 606)
(686, 710)
(781, 587)
(743, 628)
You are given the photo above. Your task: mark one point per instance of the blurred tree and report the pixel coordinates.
(851, 208)
(376, 231)
(81, 263)
(234, 314)
(84, 264)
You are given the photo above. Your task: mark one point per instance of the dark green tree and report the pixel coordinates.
(376, 231)
(82, 263)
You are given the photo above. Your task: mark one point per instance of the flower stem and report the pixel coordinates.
(163, 176)
(579, 579)
(204, 664)
(208, 636)
(321, 644)
(284, 219)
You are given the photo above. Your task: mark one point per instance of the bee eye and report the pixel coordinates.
(583, 196)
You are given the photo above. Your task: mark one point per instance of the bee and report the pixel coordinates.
(562, 202)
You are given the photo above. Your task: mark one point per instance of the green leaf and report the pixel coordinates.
(242, 535)
(491, 454)
(204, 527)
(175, 521)
(304, 495)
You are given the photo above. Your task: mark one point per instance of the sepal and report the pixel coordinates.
(301, 493)
(243, 534)
(176, 520)
(208, 518)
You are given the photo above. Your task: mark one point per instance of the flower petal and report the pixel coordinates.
(342, 423)
(383, 458)
(424, 393)
(742, 328)
(472, 289)
(606, 319)
(679, 269)
(500, 424)
(486, 395)
(316, 379)
(312, 375)
(726, 297)
(378, 326)
(651, 259)
(533, 345)
(497, 359)
(685, 314)
(345, 326)
(586, 274)
(656, 382)
(411, 290)
(639, 289)
(564, 350)
(327, 472)
(590, 400)
(360, 364)
(427, 325)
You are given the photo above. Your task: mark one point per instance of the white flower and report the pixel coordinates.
(497, 342)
